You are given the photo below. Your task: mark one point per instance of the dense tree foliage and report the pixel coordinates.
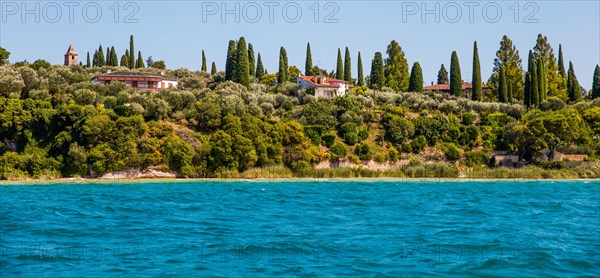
(442, 77)
(416, 79)
(508, 56)
(476, 80)
(360, 81)
(455, 76)
(396, 68)
(377, 77)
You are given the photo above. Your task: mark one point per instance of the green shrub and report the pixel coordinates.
(351, 138)
(476, 158)
(338, 151)
(452, 152)
(328, 140)
(418, 144)
(363, 152)
(551, 165)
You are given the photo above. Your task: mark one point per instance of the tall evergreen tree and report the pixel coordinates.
(541, 73)
(203, 68)
(508, 56)
(573, 87)
(509, 97)
(282, 75)
(476, 80)
(442, 77)
(230, 62)
(213, 69)
(339, 72)
(455, 77)
(101, 59)
(108, 56)
(561, 68)
(377, 78)
(251, 60)
(140, 61)
(527, 90)
(551, 83)
(242, 72)
(125, 59)
(131, 53)
(308, 65)
(534, 83)
(114, 58)
(503, 89)
(396, 68)
(416, 79)
(596, 83)
(260, 70)
(88, 64)
(361, 79)
(348, 67)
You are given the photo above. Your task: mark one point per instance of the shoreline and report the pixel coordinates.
(276, 180)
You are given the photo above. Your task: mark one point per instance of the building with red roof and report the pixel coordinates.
(467, 88)
(323, 86)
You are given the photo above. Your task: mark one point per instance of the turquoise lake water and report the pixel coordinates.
(304, 228)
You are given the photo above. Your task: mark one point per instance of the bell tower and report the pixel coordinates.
(71, 57)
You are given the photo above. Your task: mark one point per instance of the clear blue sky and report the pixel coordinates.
(177, 31)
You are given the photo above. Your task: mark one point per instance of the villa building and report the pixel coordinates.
(138, 80)
(467, 88)
(323, 86)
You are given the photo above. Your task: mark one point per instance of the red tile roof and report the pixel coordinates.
(575, 157)
(446, 87)
(328, 82)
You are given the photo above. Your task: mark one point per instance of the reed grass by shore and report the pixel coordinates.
(432, 170)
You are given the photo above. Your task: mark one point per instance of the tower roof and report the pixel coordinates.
(71, 50)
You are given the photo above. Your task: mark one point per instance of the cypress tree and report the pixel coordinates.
(509, 91)
(541, 73)
(131, 53)
(308, 66)
(596, 83)
(88, 64)
(114, 58)
(573, 88)
(339, 74)
(527, 94)
(101, 60)
(260, 70)
(125, 59)
(534, 84)
(476, 81)
(140, 62)
(108, 56)
(416, 79)
(282, 75)
(561, 68)
(442, 77)
(503, 88)
(230, 62)
(203, 68)
(455, 79)
(251, 61)
(361, 79)
(377, 75)
(348, 67)
(242, 72)
(213, 69)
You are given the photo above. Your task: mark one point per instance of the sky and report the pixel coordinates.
(427, 31)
